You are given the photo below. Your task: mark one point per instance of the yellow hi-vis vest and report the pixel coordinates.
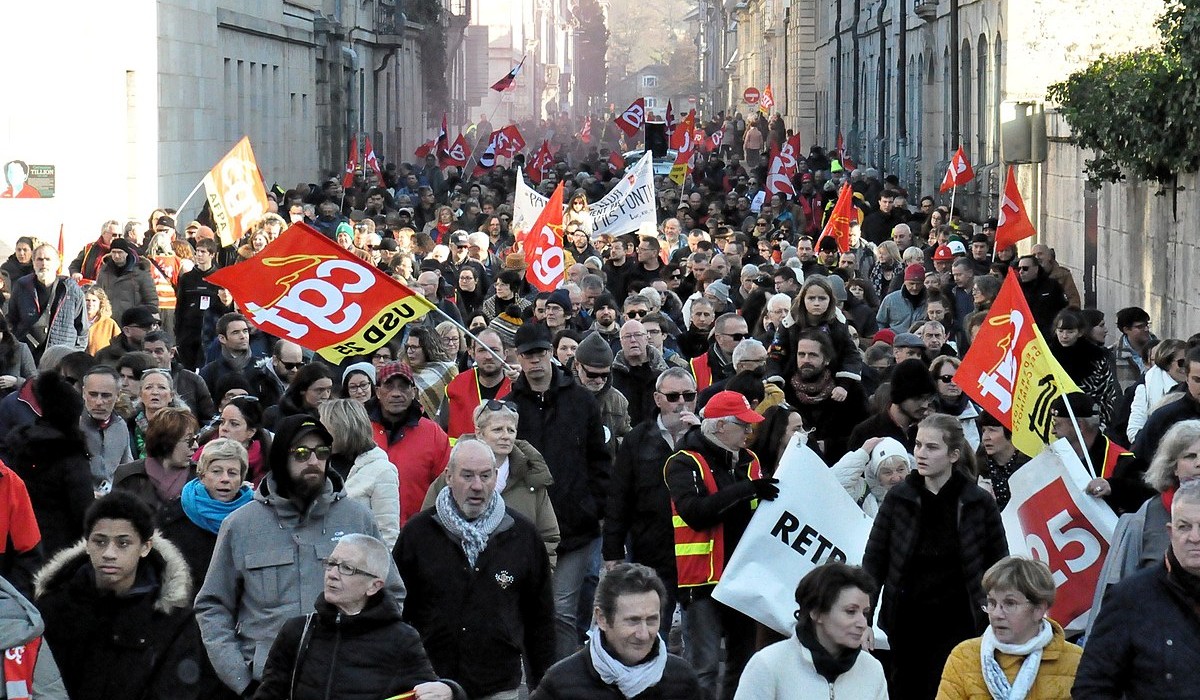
(700, 554)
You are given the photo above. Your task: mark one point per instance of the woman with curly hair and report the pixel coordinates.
(431, 367)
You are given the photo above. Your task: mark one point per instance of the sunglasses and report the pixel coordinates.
(594, 375)
(302, 454)
(494, 405)
(739, 337)
(673, 396)
(156, 370)
(636, 314)
(292, 365)
(946, 378)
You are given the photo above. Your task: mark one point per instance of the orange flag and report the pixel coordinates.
(838, 225)
(543, 245)
(308, 289)
(1013, 224)
(236, 196)
(958, 172)
(683, 141)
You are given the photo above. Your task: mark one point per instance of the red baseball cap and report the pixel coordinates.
(724, 404)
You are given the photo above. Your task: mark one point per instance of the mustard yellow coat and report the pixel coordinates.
(962, 679)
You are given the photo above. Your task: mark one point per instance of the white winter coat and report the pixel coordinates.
(1147, 397)
(374, 482)
(784, 671)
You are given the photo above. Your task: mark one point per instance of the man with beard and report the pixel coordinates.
(269, 559)
(808, 388)
(912, 395)
(717, 363)
(416, 446)
(44, 309)
(604, 310)
(900, 309)
(483, 382)
(639, 504)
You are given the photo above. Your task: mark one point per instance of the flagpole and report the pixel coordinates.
(472, 336)
(466, 170)
(1082, 446)
(179, 209)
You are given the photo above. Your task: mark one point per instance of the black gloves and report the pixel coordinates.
(766, 488)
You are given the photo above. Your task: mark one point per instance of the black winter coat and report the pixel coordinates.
(476, 624)
(575, 678)
(1046, 298)
(58, 475)
(194, 542)
(639, 504)
(565, 427)
(143, 645)
(366, 656)
(895, 533)
(1144, 644)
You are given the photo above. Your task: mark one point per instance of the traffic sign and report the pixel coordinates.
(751, 95)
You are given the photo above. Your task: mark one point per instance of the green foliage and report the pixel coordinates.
(1140, 111)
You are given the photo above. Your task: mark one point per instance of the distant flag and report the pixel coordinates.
(631, 120)
(538, 164)
(510, 142)
(62, 260)
(1013, 223)
(958, 172)
(767, 101)
(585, 134)
(487, 159)
(841, 145)
(425, 149)
(235, 193)
(713, 143)
(671, 123)
(685, 147)
(351, 163)
(838, 225)
(372, 160)
(507, 81)
(615, 161)
(459, 152)
(443, 144)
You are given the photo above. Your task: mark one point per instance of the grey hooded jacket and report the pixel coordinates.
(20, 622)
(269, 566)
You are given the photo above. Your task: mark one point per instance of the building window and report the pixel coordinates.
(650, 81)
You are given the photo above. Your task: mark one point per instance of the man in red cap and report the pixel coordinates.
(715, 485)
(902, 308)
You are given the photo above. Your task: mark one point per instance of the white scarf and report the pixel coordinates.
(630, 680)
(993, 675)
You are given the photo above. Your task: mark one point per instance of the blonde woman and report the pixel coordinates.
(102, 328)
(370, 478)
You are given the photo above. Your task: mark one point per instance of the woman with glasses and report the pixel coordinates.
(220, 487)
(155, 393)
(1085, 362)
(508, 287)
(471, 291)
(431, 367)
(241, 420)
(311, 387)
(935, 535)
(454, 344)
(1164, 376)
(358, 382)
(159, 477)
(522, 476)
(1022, 653)
(951, 400)
(364, 467)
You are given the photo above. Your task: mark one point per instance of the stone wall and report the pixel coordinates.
(1147, 248)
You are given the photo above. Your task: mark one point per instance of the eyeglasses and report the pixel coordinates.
(292, 365)
(593, 375)
(302, 454)
(637, 313)
(946, 378)
(1004, 606)
(739, 337)
(673, 396)
(494, 405)
(346, 570)
(358, 387)
(156, 370)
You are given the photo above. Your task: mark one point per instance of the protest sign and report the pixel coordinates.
(623, 210)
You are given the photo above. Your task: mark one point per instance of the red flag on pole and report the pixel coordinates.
(783, 168)
(630, 121)
(458, 153)
(671, 123)
(510, 142)
(767, 100)
(62, 258)
(615, 161)
(372, 161)
(1013, 223)
(684, 145)
(351, 163)
(507, 81)
(487, 159)
(539, 162)
(424, 149)
(958, 172)
(543, 245)
(585, 134)
(838, 225)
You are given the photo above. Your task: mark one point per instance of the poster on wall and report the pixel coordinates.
(25, 181)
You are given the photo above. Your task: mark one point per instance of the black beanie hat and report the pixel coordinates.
(910, 380)
(61, 405)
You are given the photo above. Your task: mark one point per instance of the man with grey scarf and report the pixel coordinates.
(478, 580)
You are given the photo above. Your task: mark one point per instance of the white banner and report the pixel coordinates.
(813, 521)
(623, 210)
(1053, 519)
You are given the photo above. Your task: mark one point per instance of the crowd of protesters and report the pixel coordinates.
(533, 488)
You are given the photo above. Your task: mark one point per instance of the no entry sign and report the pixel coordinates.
(751, 95)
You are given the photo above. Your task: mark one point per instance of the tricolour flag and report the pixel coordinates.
(838, 225)
(306, 288)
(507, 81)
(1013, 223)
(631, 120)
(1010, 373)
(958, 172)
(351, 163)
(235, 193)
(372, 160)
(543, 245)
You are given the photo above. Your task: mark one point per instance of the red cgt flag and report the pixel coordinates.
(959, 172)
(351, 163)
(631, 120)
(838, 225)
(306, 288)
(1013, 223)
(510, 142)
(685, 147)
(538, 164)
(783, 168)
(425, 149)
(372, 160)
(543, 245)
(458, 153)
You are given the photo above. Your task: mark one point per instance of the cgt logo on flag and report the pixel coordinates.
(235, 192)
(306, 288)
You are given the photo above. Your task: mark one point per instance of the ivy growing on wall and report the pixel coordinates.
(1139, 112)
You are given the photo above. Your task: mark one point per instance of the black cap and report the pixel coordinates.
(1082, 405)
(139, 316)
(533, 336)
(911, 380)
(165, 221)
